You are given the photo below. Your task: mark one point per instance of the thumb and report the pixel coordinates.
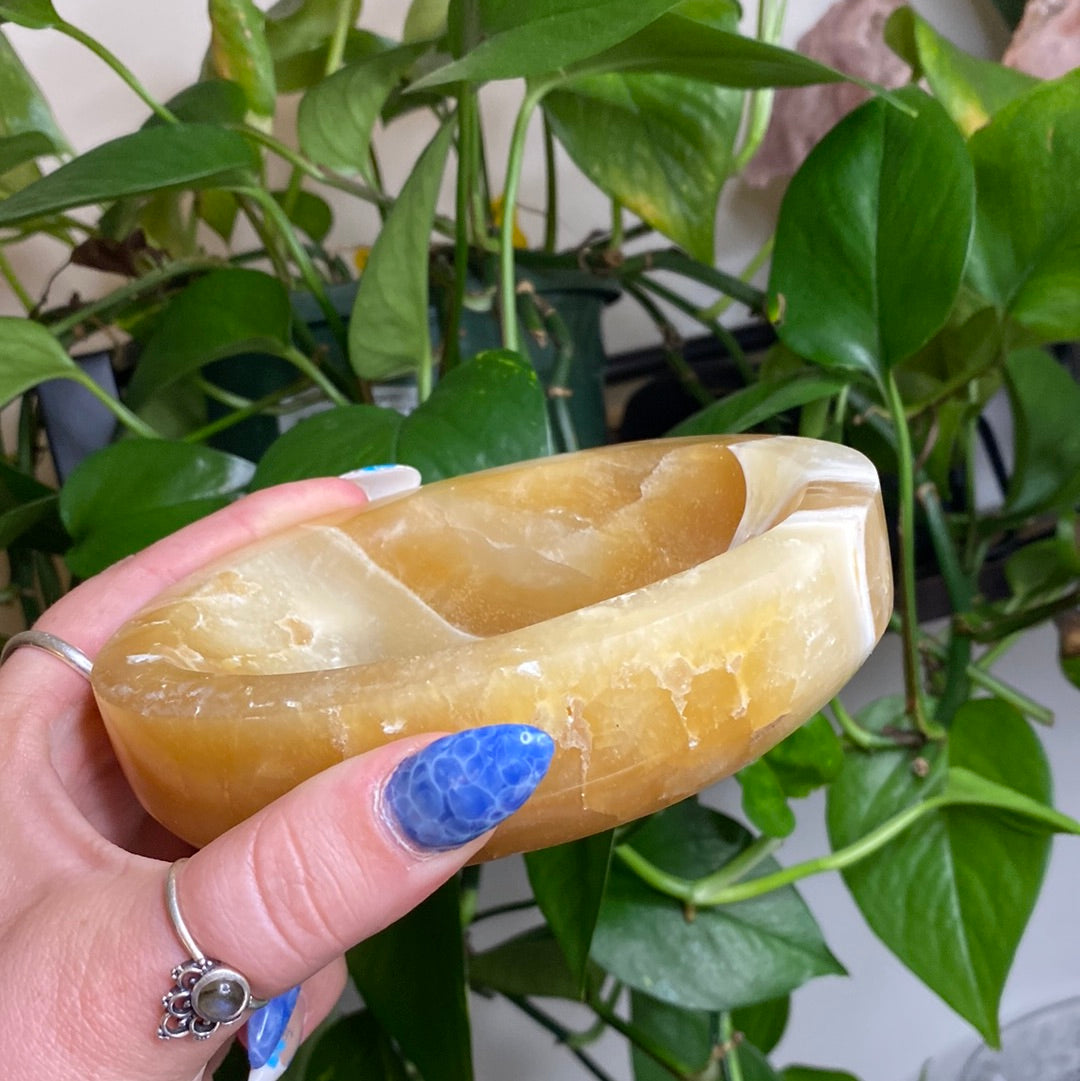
(283, 895)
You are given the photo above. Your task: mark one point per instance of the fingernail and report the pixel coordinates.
(378, 481)
(273, 1035)
(463, 785)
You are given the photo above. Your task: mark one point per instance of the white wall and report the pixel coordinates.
(881, 1023)
(165, 50)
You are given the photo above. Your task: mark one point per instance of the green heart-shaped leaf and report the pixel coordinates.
(425, 20)
(388, 329)
(677, 45)
(752, 405)
(940, 896)
(225, 313)
(1045, 405)
(809, 758)
(31, 355)
(15, 150)
(337, 116)
(28, 512)
(1027, 232)
(331, 443)
(353, 1046)
(659, 144)
(971, 90)
(132, 493)
(519, 40)
(239, 52)
(568, 883)
(33, 14)
(689, 1036)
(186, 156)
(531, 963)
(872, 237)
(488, 411)
(23, 107)
(728, 955)
(212, 101)
(412, 978)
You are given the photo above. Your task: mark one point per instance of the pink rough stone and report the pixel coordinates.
(1047, 41)
(850, 37)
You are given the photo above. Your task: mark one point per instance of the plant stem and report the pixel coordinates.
(117, 66)
(504, 909)
(219, 394)
(308, 168)
(989, 657)
(118, 409)
(305, 364)
(120, 296)
(737, 868)
(300, 257)
(671, 345)
(689, 892)
(617, 238)
(644, 1043)
(249, 409)
(770, 21)
(26, 435)
(8, 271)
(717, 329)
(510, 336)
(559, 391)
(679, 263)
(861, 737)
(562, 1034)
(267, 238)
(551, 187)
(468, 124)
(959, 588)
(732, 1065)
(757, 261)
(909, 628)
(991, 631)
(346, 16)
(977, 674)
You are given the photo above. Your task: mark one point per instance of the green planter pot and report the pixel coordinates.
(578, 298)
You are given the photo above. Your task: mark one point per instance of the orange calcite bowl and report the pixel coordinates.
(667, 610)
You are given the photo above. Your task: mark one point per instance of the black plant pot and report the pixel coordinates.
(76, 423)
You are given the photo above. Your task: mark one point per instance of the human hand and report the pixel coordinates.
(86, 942)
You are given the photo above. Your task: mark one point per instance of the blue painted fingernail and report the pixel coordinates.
(462, 785)
(271, 1042)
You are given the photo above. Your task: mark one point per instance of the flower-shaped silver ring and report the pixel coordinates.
(205, 994)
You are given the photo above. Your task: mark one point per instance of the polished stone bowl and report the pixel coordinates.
(666, 610)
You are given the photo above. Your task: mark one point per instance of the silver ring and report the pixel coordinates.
(64, 651)
(205, 994)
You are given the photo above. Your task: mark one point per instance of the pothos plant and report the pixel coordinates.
(925, 257)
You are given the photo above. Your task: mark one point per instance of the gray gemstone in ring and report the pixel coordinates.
(221, 995)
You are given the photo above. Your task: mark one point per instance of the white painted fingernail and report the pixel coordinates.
(378, 481)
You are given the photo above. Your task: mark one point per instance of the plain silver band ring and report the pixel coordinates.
(64, 651)
(173, 905)
(205, 994)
